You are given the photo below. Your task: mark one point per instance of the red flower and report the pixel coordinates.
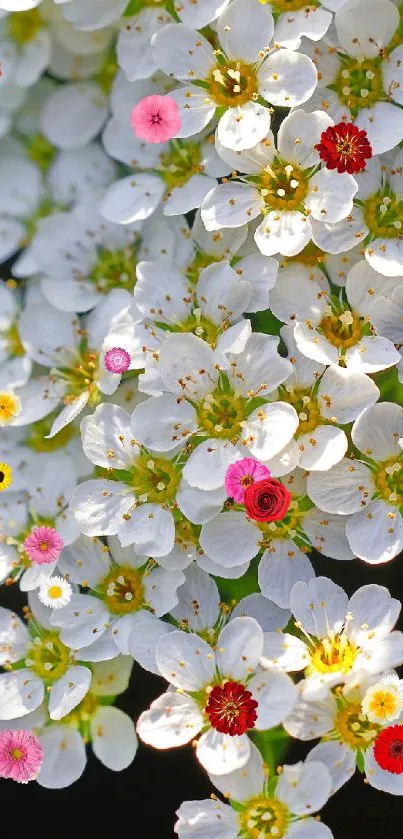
(388, 749)
(345, 148)
(231, 709)
(267, 500)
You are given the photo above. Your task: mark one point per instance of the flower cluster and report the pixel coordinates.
(201, 371)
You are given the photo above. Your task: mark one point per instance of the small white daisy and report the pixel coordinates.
(55, 592)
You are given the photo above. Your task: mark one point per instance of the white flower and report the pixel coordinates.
(282, 806)
(296, 20)
(368, 489)
(137, 503)
(208, 686)
(45, 661)
(76, 364)
(233, 80)
(50, 479)
(26, 46)
(21, 194)
(286, 186)
(324, 399)
(375, 220)
(55, 592)
(361, 81)
(333, 330)
(74, 114)
(338, 637)
(123, 585)
(109, 730)
(15, 365)
(346, 724)
(185, 172)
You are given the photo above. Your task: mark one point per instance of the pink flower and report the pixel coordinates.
(156, 119)
(241, 475)
(43, 545)
(117, 360)
(21, 755)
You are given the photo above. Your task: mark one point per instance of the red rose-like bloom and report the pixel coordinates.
(231, 709)
(345, 148)
(267, 500)
(388, 749)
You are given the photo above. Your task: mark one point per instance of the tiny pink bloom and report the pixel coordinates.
(21, 755)
(117, 360)
(43, 545)
(156, 119)
(241, 475)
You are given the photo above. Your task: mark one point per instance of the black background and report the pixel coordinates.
(141, 801)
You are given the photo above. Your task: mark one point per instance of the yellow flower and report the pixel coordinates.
(383, 702)
(10, 406)
(6, 476)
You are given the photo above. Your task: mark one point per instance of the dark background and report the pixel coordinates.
(141, 801)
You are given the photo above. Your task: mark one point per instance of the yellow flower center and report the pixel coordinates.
(359, 83)
(24, 26)
(220, 414)
(114, 269)
(283, 186)
(41, 151)
(16, 754)
(389, 480)
(6, 476)
(342, 330)
(54, 592)
(278, 7)
(155, 479)
(311, 256)
(48, 657)
(383, 214)
(37, 435)
(233, 83)
(286, 528)
(333, 655)
(81, 377)
(353, 727)
(180, 163)
(122, 589)
(263, 817)
(306, 407)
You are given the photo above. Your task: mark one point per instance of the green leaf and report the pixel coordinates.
(266, 322)
(272, 744)
(360, 761)
(389, 385)
(236, 589)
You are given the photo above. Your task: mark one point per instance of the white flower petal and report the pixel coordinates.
(287, 78)
(343, 489)
(221, 753)
(376, 533)
(185, 661)
(219, 535)
(20, 693)
(239, 647)
(64, 756)
(304, 787)
(320, 605)
(113, 738)
(280, 568)
(68, 691)
(276, 696)
(172, 720)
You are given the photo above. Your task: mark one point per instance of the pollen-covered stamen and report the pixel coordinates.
(388, 749)
(81, 376)
(48, 657)
(354, 728)
(155, 479)
(306, 406)
(113, 269)
(345, 148)
(122, 589)
(117, 360)
(388, 478)
(333, 654)
(180, 163)
(12, 339)
(231, 708)
(342, 327)
(263, 817)
(383, 214)
(233, 83)
(359, 83)
(282, 186)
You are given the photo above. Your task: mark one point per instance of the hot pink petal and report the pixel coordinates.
(156, 119)
(242, 474)
(117, 360)
(43, 545)
(21, 755)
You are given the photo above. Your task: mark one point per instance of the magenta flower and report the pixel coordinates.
(241, 475)
(43, 545)
(156, 119)
(21, 755)
(117, 360)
